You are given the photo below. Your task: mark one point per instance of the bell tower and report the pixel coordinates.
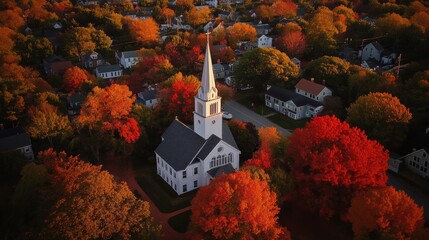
(208, 113)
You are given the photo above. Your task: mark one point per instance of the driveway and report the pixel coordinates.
(242, 113)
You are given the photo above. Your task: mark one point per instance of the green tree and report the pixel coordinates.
(382, 117)
(246, 136)
(32, 50)
(83, 39)
(263, 66)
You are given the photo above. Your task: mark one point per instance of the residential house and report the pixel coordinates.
(296, 61)
(221, 70)
(230, 81)
(262, 28)
(372, 50)
(16, 139)
(418, 161)
(56, 65)
(128, 59)
(108, 71)
(312, 90)
(189, 158)
(57, 26)
(265, 41)
(92, 60)
(148, 97)
(211, 3)
(74, 103)
(292, 104)
(394, 162)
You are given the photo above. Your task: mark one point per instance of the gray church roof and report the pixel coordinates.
(182, 146)
(221, 170)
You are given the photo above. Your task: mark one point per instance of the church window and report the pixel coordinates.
(199, 108)
(223, 159)
(170, 172)
(230, 157)
(185, 188)
(218, 160)
(196, 170)
(213, 108)
(195, 183)
(162, 164)
(174, 174)
(184, 174)
(175, 187)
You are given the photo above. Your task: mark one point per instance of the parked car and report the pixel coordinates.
(227, 115)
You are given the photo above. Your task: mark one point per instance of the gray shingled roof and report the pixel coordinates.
(180, 146)
(130, 54)
(286, 95)
(108, 68)
(221, 170)
(13, 138)
(148, 94)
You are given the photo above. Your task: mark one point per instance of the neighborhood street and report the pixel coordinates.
(240, 112)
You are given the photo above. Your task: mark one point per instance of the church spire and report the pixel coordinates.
(208, 89)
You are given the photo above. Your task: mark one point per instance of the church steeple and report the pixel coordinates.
(208, 89)
(208, 113)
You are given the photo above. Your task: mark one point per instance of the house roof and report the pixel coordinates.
(130, 54)
(13, 138)
(426, 149)
(225, 169)
(108, 68)
(87, 55)
(289, 95)
(377, 46)
(310, 87)
(148, 94)
(182, 146)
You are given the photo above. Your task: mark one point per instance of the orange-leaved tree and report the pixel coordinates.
(178, 94)
(73, 78)
(330, 164)
(382, 116)
(105, 112)
(236, 206)
(240, 32)
(263, 158)
(385, 213)
(144, 31)
(88, 203)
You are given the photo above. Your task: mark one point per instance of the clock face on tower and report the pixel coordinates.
(214, 121)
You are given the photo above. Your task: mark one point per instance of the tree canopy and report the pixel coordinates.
(329, 159)
(263, 66)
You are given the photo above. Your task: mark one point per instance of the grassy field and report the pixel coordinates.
(287, 122)
(181, 221)
(253, 102)
(165, 199)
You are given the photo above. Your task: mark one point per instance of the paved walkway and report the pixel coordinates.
(123, 171)
(242, 113)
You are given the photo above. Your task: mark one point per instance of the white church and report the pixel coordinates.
(190, 157)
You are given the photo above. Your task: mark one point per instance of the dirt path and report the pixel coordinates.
(123, 171)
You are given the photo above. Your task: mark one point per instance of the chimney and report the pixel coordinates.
(312, 79)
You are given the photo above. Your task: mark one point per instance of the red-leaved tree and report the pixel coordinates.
(73, 78)
(236, 206)
(332, 161)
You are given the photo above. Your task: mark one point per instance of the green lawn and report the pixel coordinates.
(181, 221)
(287, 122)
(254, 102)
(165, 199)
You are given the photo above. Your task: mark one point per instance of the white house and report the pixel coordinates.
(221, 71)
(372, 50)
(418, 161)
(312, 90)
(211, 3)
(108, 71)
(128, 59)
(296, 61)
(16, 139)
(189, 158)
(292, 104)
(264, 41)
(149, 97)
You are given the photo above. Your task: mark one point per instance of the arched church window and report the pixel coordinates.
(223, 159)
(230, 158)
(218, 160)
(199, 108)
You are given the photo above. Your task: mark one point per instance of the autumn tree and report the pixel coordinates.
(390, 24)
(264, 156)
(47, 123)
(144, 31)
(7, 39)
(264, 12)
(73, 78)
(77, 200)
(284, 8)
(240, 32)
(382, 117)
(328, 156)
(37, 10)
(32, 50)
(106, 112)
(293, 43)
(421, 19)
(168, 14)
(263, 66)
(246, 136)
(332, 71)
(236, 206)
(385, 213)
(83, 39)
(12, 18)
(178, 94)
(196, 17)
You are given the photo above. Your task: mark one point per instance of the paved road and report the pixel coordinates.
(240, 112)
(420, 197)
